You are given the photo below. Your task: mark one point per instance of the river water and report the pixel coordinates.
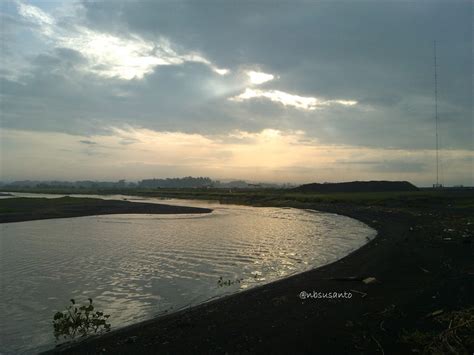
(135, 267)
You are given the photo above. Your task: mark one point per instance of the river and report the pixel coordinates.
(136, 267)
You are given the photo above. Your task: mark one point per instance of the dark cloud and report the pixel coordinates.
(88, 142)
(378, 53)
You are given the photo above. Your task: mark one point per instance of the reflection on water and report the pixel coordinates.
(137, 266)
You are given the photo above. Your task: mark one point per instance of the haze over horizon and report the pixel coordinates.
(280, 92)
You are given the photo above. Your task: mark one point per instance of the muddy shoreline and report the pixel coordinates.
(418, 272)
(30, 209)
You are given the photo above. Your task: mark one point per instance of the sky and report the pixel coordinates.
(275, 91)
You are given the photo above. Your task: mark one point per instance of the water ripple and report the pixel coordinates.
(137, 266)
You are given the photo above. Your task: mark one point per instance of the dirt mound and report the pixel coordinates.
(358, 186)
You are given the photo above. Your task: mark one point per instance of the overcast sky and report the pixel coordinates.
(283, 91)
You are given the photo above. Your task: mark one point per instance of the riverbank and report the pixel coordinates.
(28, 209)
(422, 264)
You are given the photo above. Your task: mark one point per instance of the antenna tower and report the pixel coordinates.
(437, 185)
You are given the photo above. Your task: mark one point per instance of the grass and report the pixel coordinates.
(455, 335)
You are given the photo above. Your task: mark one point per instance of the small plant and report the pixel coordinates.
(79, 321)
(221, 282)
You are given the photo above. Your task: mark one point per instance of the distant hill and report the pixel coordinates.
(357, 186)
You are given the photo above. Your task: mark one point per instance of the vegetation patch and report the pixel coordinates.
(455, 337)
(79, 321)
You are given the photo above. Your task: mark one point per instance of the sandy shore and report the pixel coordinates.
(418, 271)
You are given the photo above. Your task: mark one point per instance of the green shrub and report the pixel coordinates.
(79, 321)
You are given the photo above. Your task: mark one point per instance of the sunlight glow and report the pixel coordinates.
(221, 71)
(35, 13)
(299, 102)
(112, 56)
(270, 154)
(258, 78)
